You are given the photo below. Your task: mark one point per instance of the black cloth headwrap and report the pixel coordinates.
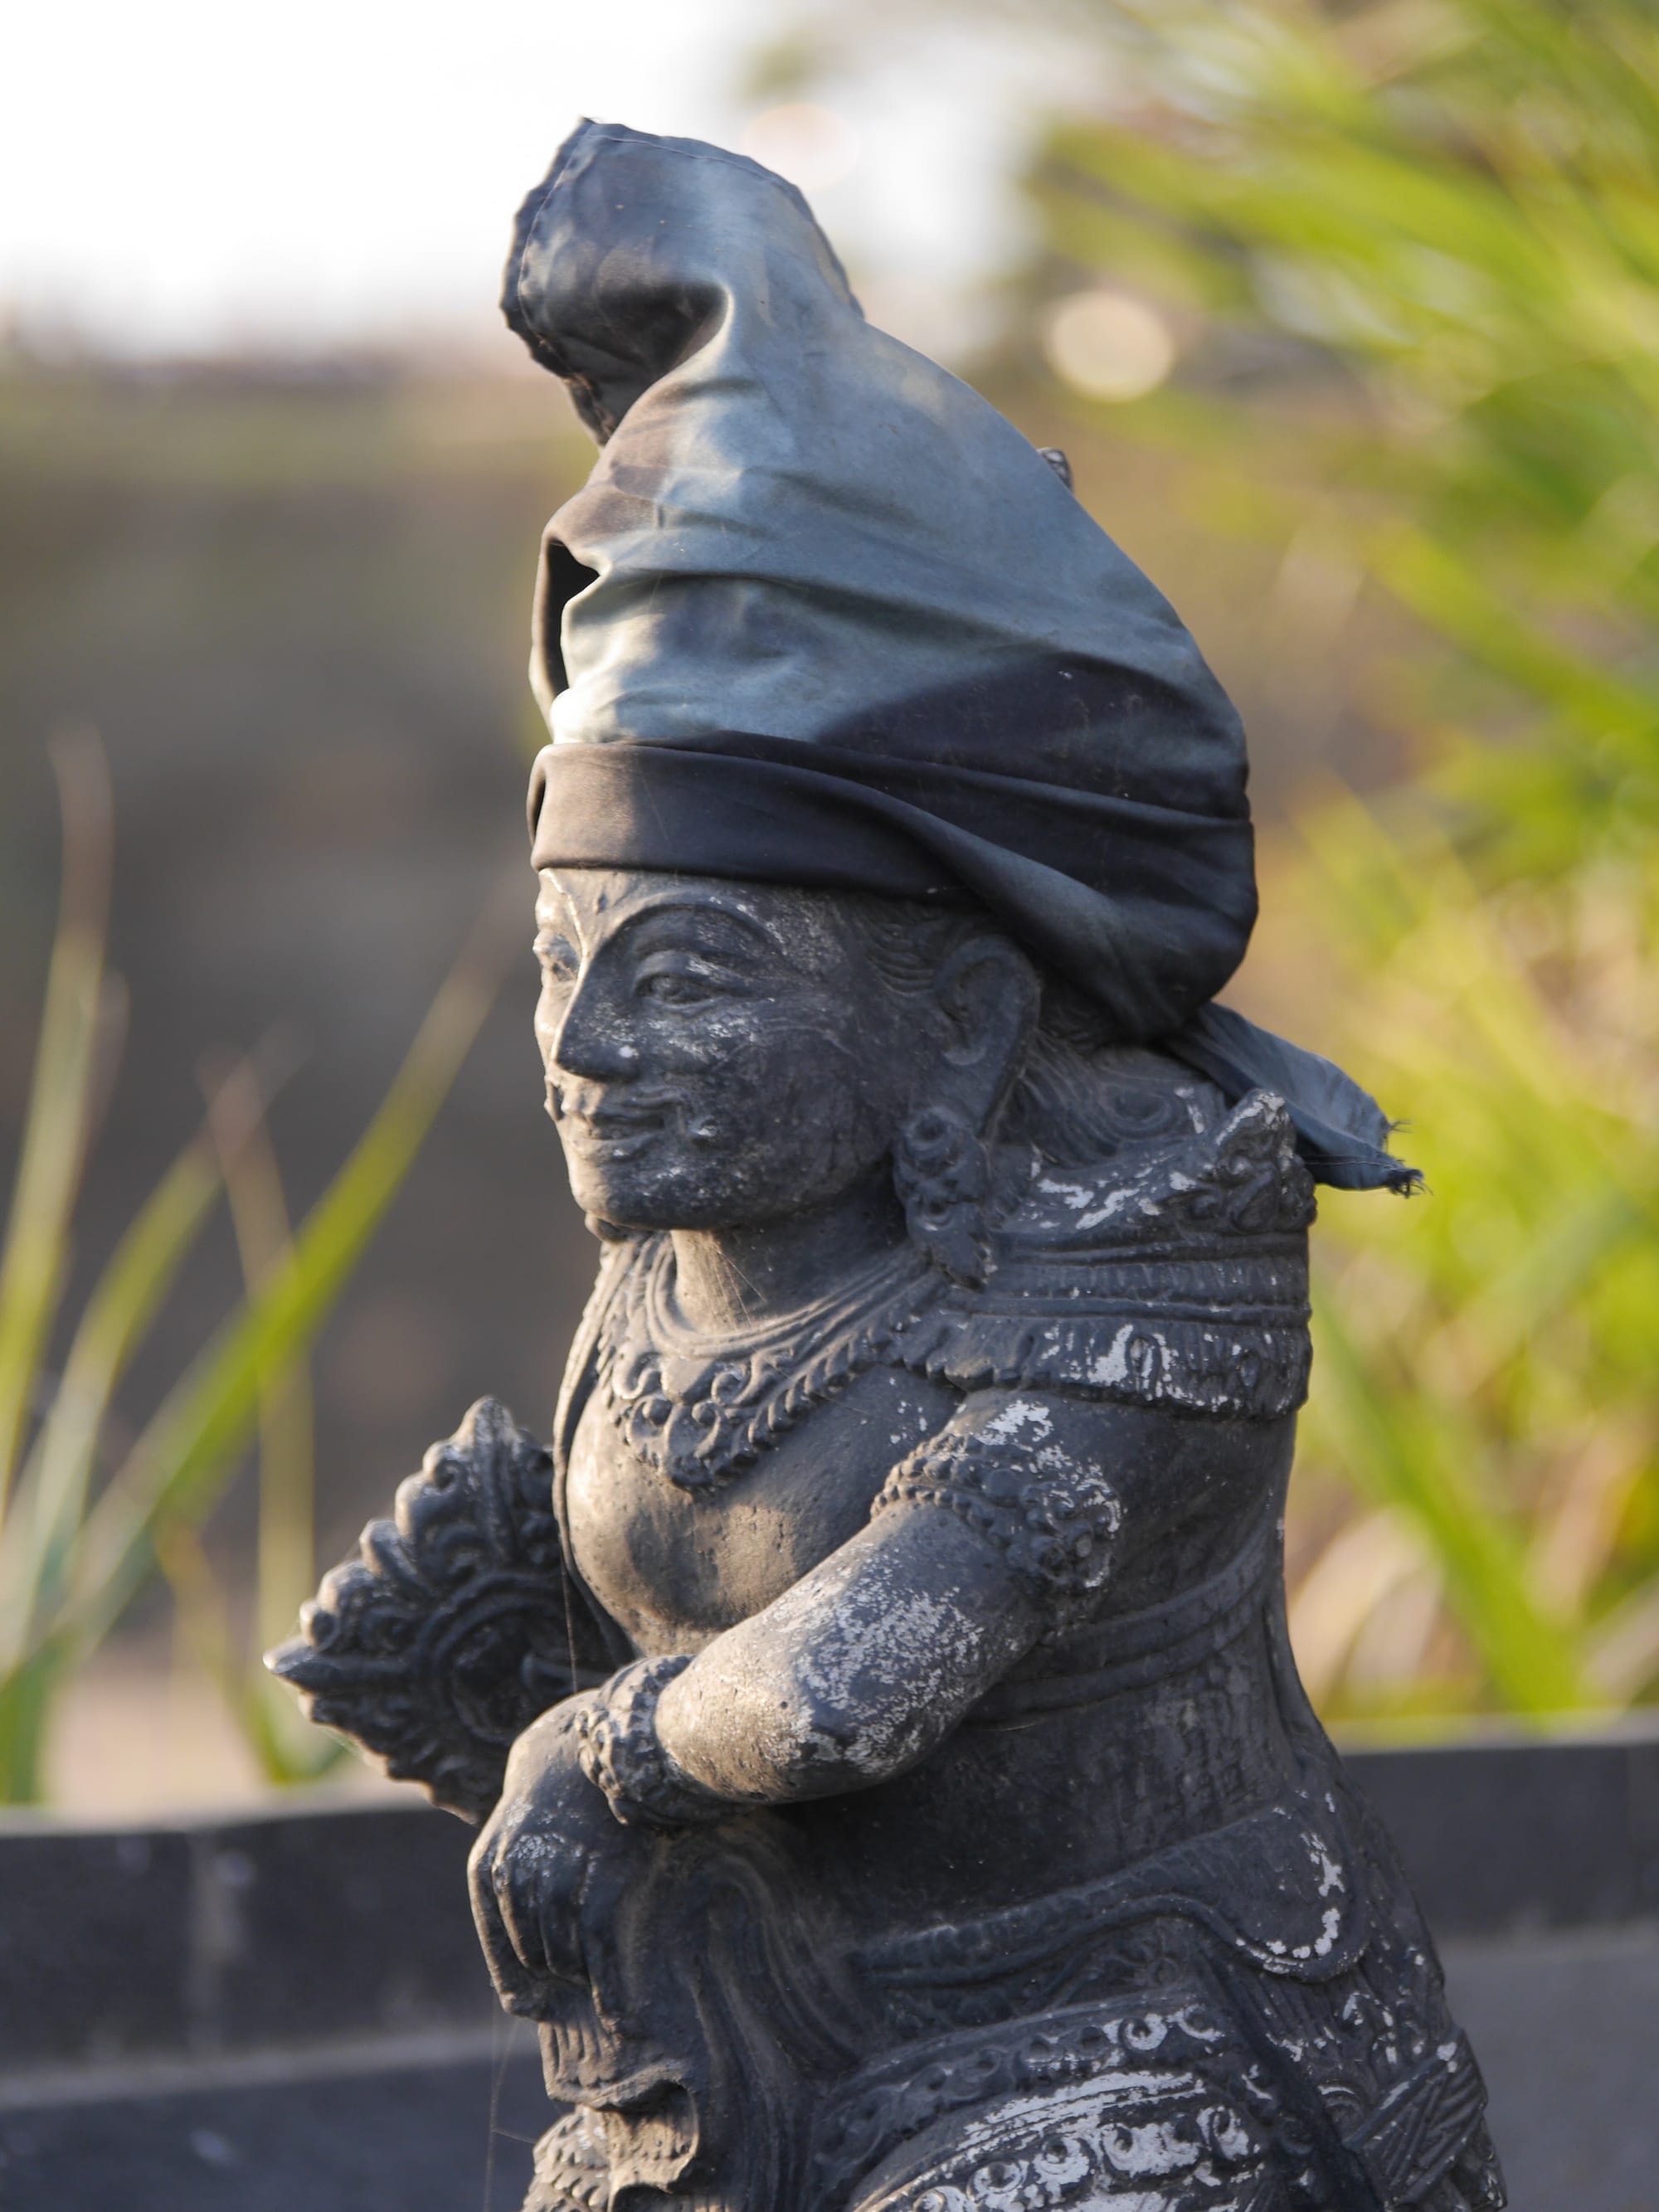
(822, 617)
(730, 806)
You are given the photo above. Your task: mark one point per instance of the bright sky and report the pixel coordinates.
(177, 176)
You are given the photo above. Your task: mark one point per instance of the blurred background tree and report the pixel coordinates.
(1348, 317)
(87, 1513)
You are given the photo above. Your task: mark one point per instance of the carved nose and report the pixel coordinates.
(591, 1041)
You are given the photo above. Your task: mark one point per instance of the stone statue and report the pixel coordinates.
(897, 1793)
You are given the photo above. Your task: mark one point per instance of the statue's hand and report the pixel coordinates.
(550, 1842)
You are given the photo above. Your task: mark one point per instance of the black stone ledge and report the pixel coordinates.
(1508, 1837)
(205, 1938)
(435, 2122)
(202, 1940)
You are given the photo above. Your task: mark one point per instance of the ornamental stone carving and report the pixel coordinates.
(896, 1790)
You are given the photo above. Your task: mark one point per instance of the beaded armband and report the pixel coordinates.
(620, 1752)
(1052, 1516)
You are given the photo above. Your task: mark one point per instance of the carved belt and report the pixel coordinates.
(1138, 1648)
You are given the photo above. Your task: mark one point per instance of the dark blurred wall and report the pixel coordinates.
(296, 610)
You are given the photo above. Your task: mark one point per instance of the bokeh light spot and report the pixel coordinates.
(1107, 346)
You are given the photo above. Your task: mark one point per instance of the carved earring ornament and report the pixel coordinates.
(942, 1171)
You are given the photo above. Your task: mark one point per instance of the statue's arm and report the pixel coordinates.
(854, 1675)
(999, 1529)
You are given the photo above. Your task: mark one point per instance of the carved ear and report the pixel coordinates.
(987, 995)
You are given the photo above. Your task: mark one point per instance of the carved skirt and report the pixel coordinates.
(1139, 2042)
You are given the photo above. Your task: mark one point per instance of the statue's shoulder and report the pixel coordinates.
(1238, 1183)
(1173, 1274)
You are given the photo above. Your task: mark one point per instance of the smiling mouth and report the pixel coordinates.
(613, 1136)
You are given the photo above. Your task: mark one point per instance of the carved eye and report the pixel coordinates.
(671, 988)
(557, 957)
(687, 980)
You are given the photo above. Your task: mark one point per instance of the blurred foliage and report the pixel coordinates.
(1484, 1366)
(83, 1524)
(1405, 254)
(1410, 252)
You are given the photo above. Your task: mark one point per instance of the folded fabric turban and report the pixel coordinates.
(822, 616)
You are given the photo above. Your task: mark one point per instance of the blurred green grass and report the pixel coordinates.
(1432, 232)
(76, 1550)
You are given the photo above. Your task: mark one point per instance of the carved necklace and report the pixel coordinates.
(701, 1408)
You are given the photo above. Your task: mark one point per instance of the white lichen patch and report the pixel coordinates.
(1322, 1945)
(1114, 1204)
(1112, 1366)
(889, 1656)
(1008, 1424)
(1076, 1196)
(1329, 1871)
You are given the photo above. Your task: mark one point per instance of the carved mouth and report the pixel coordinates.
(598, 1145)
(616, 1133)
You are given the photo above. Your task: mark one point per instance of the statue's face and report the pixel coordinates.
(717, 1054)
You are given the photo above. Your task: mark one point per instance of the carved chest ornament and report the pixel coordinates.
(700, 1409)
(1174, 1275)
